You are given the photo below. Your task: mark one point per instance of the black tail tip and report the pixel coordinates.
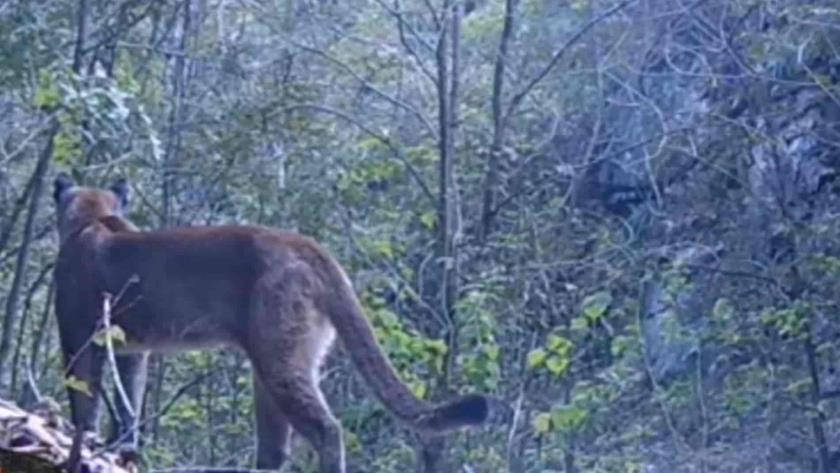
(472, 409)
(468, 410)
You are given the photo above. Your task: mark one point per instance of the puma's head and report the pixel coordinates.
(78, 206)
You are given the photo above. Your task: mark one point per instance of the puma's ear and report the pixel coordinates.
(121, 190)
(61, 186)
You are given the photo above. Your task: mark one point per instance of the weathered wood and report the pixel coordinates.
(18, 462)
(40, 441)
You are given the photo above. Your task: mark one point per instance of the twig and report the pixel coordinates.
(112, 359)
(160, 413)
(732, 273)
(517, 413)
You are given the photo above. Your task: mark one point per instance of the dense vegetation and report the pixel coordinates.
(620, 216)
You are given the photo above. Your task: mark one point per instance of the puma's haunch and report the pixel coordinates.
(277, 296)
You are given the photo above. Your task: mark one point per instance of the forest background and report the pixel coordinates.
(619, 216)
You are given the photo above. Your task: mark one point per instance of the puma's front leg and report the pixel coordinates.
(83, 370)
(83, 363)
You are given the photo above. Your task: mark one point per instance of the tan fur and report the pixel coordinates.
(278, 296)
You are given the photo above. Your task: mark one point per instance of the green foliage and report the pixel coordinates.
(788, 322)
(827, 264)
(481, 363)
(723, 311)
(418, 359)
(593, 309)
(555, 358)
(67, 147)
(742, 393)
(47, 95)
(562, 420)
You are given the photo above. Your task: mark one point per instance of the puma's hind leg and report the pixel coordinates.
(306, 410)
(293, 387)
(286, 345)
(273, 430)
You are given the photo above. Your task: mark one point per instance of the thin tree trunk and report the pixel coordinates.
(448, 59)
(27, 309)
(12, 301)
(81, 33)
(174, 140)
(38, 338)
(817, 419)
(17, 209)
(491, 180)
(453, 203)
(167, 180)
(157, 395)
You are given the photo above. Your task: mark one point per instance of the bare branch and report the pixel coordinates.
(517, 99)
(402, 26)
(376, 90)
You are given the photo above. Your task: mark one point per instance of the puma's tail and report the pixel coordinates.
(356, 334)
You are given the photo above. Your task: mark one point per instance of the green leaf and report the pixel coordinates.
(115, 333)
(557, 365)
(370, 144)
(492, 352)
(437, 347)
(579, 324)
(384, 248)
(77, 384)
(542, 423)
(47, 96)
(428, 219)
(419, 389)
(536, 358)
(559, 345)
(568, 418)
(596, 305)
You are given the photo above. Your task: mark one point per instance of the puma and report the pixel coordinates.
(277, 296)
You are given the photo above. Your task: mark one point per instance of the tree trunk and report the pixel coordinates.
(17, 209)
(12, 301)
(817, 419)
(27, 309)
(448, 59)
(174, 139)
(491, 180)
(37, 345)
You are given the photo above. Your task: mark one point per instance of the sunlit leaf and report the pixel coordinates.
(536, 358)
(77, 384)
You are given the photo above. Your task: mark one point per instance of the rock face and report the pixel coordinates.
(40, 441)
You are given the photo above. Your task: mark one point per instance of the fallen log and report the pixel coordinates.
(40, 441)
